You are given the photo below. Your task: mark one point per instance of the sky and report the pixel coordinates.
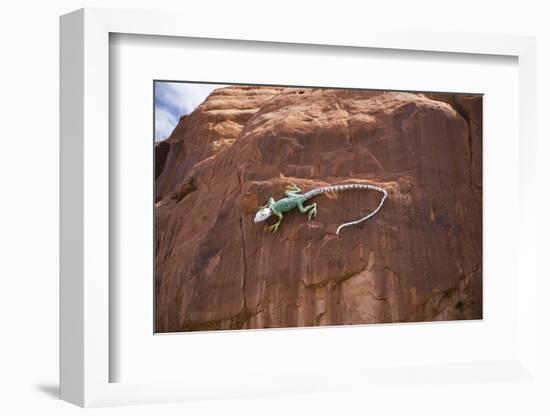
(175, 99)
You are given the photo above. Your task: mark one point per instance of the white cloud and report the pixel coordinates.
(175, 99)
(164, 123)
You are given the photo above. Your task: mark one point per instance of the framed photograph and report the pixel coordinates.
(226, 150)
(272, 214)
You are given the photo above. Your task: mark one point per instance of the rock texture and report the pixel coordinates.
(418, 259)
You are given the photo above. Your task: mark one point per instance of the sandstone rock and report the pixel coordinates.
(161, 152)
(418, 259)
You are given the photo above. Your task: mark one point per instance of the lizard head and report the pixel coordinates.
(263, 214)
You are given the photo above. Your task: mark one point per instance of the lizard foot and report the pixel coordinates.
(312, 212)
(273, 228)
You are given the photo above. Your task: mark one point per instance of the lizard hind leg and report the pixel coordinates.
(292, 190)
(310, 209)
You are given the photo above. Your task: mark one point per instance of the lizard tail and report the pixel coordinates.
(345, 187)
(347, 224)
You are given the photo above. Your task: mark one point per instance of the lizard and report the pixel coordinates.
(295, 199)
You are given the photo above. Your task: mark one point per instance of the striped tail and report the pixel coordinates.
(347, 187)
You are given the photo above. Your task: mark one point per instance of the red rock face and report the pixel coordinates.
(418, 259)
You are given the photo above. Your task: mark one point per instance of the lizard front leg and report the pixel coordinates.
(271, 201)
(310, 209)
(273, 228)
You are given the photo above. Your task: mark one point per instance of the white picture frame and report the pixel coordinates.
(85, 267)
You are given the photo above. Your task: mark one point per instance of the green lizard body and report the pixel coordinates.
(295, 199)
